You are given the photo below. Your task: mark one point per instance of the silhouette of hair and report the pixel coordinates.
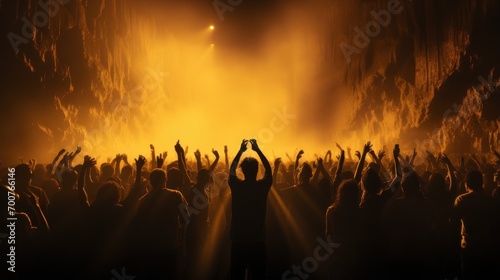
(107, 170)
(23, 173)
(411, 186)
(474, 180)
(250, 167)
(107, 195)
(347, 194)
(69, 178)
(126, 171)
(305, 172)
(371, 181)
(157, 178)
(174, 176)
(374, 166)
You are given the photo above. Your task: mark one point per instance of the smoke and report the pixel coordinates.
(119, 75)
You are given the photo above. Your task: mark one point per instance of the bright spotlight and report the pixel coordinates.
(212, 45)
(212, 27)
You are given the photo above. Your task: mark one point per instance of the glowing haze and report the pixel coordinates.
(131, 74)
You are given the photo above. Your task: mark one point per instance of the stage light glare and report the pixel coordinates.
(212, 27)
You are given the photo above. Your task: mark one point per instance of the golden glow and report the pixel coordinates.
(157, 87)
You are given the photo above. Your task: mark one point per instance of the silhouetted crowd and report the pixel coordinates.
(367, 216)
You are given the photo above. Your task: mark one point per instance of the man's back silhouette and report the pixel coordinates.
(249, 197)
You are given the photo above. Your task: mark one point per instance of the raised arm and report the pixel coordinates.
(159, 161)
(137, 190)
(277, 163)
(75, 153)
(50, 171)
(236, 160)
(359, 170)
(88, 163)
(296, 167)
(118, 160)
(208, 160)
(268, 173)
(197, 156)
(182, 163)
(226, 158)
(214, 164)
(451, 173)
(153, 155)
(413, 156)
(398, 171)
(337, 180)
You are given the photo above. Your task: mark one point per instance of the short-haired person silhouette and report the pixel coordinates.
(161, 225)
(475, 211)
(249, 200)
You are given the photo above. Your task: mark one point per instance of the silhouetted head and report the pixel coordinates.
(250, 166)
(374, 166)
(371, 181)
(158, 178)
(23, 175)
(203, 177)
(50, 186)
(69, 178)
(305, 173)
(474, 180)
(108, 195)
(107, 171)
(347, 194)
(411, 185)
(40, 172)
(174, 176)
(126, 172)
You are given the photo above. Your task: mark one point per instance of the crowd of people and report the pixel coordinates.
(368, 216)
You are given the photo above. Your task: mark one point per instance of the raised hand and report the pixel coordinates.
(357, 154)
(197, 154)
(88, 161)
(152, 147)
(159, 161)
(225, 149)
(299, 155)
(61, 152)
(140, 161)
(367, 148)
(255, 147)
(125, 158)
(444, 159)
(78, 149)
(381, 155)
(207, 158)
(430, 157)
(339, 147)
(243, 146)
(215, 152)
(178, 147)
(396, 151)
(277, 162)
(320, 161)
